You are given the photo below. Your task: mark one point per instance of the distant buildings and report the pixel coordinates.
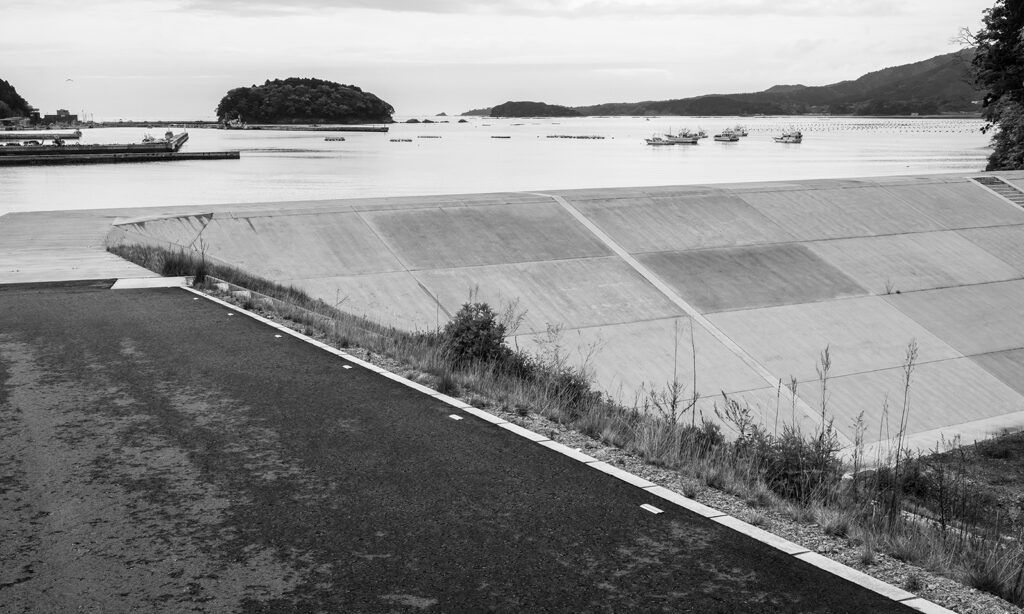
(63, 117)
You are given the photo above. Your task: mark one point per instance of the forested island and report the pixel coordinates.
(942, 84)
(527, 108)
(303, 101)
(11, 103)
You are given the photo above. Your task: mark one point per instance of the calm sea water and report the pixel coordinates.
(466, 158)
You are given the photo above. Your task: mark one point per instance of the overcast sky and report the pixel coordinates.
(175, 59)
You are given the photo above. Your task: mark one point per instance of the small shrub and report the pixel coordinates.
(474, 334)
(446, 383)
(759, 496)
(757, 518)
(799, 467)
(690, 488)
(833, 522)
(867, 553)
(913, 582)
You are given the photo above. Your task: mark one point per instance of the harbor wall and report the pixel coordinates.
(733, 289)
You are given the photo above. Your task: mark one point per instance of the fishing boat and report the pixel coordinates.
(793, 136)
(685, 137)
(727, 136)
(740, 130)
(658, 141)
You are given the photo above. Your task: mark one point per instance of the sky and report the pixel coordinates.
(175, 59)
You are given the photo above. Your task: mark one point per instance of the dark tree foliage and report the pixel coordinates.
(999, 69)
(296, 100)
(527, 108)
(11, 104)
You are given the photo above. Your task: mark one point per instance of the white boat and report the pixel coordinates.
(740, 130)
(793, 136)
(727, 136)
(658, 141)
(685, 137)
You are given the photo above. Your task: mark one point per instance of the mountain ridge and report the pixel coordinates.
(941, 84)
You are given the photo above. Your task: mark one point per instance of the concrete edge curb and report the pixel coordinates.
(138, 283)
(782, 545)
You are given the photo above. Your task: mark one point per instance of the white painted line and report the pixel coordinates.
(567, 451)
(625, 476)
(454, 417)
(761, 535)
(651, 508)
(684, 502)
(488, 417)
(923, 605)
(518, 430)
(346, 366)
(231, 314)
(277, 336)
(139, 283)
(857, 577)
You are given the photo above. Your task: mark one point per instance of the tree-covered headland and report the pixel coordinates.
(303, 101)
(12, 104)
(999, 70)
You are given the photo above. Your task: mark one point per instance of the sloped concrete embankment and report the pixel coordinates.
(747, 283)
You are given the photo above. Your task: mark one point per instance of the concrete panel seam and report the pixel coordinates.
(694, 314)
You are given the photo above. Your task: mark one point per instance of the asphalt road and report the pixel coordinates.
(158, 454)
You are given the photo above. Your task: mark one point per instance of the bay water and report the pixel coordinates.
(494, 155)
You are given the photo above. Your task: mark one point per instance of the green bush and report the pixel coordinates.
(475, 334)
(799, 467)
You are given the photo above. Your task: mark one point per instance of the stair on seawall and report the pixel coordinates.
(1009, 192)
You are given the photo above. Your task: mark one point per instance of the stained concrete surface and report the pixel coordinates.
(916, 261)
(742, 278)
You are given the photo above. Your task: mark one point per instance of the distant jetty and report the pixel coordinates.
(39, 135)
(33, 152)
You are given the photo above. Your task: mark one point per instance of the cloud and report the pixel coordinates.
(560, 8)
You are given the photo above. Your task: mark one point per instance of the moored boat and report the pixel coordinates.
(684, 137)
(658, 141)
(727, 136)
(793, 136)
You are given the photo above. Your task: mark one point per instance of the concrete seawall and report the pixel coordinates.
(762, 278)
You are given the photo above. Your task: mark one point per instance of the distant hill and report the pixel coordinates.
(942, 84)
(526, 108)
(11, 104)
(303, 101)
